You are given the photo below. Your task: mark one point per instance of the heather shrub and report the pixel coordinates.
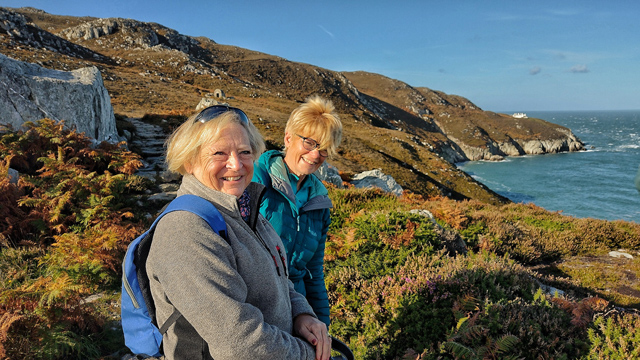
(542, 328)
(351, 201)
(412, 307)
(398, 296)
(615, 336)
(598, 234)
(531, 235)
(382, 241)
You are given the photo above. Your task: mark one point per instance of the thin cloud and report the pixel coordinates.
(327, 31)
(559, 56)
(535, 70)
(581, 57)
(579, 69)
(564, 12)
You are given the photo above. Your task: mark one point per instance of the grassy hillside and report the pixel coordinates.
(150, 69)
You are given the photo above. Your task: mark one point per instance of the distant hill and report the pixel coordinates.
(412, 134)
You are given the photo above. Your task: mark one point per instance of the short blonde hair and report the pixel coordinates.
(184, 144)
(316, 118)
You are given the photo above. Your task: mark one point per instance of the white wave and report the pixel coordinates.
(629, 146)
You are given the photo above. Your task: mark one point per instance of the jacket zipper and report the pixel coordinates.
(284, 265)
(128, 289)
(273, 256)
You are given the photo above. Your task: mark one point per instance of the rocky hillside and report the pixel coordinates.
(413, 134)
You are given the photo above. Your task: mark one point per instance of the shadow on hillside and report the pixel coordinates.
(425, 178)
(607, 277)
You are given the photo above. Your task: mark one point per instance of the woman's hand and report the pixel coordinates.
(315, 332)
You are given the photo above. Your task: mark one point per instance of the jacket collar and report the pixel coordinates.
(277, 169)
(226, 203)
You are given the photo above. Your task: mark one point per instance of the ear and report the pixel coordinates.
(188, 168)
(189, 165)
(287, 140)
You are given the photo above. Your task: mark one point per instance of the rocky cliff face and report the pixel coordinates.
(31, 92)
(517, 147)
(134, 34)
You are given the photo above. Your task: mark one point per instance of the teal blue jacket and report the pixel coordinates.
(303, 230)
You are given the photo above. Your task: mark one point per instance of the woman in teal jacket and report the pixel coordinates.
(296, 202)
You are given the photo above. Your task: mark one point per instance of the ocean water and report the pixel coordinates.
(597, 183)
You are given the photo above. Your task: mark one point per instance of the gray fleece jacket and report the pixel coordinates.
(234, 294)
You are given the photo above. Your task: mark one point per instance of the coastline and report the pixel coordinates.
(600, 182)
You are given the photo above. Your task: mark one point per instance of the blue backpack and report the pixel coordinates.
(141, 332)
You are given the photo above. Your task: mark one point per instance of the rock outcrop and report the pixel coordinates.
(134, 34)
(497, 151)
(29, 92)
(22, 31)
(330, 174)
(376, 178)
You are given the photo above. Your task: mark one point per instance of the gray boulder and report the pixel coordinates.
(329, 173)
(14, 175)
(205, 102)
(376, 178)
(29, 92)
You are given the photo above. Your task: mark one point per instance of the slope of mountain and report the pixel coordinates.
(412, 134)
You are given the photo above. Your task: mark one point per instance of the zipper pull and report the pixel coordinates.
(284, 264)
(276, 262)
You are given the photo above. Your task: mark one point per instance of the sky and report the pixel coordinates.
(504, 56)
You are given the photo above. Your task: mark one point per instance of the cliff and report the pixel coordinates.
(477, 134)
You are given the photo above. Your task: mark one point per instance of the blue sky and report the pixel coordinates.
(502, 55)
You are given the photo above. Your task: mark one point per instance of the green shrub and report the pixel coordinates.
(351, 201)
(412, 307)
(615, 337)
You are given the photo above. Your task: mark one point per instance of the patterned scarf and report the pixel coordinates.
(244, 202)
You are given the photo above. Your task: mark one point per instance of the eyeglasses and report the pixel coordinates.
(310, 144)
(213, 111)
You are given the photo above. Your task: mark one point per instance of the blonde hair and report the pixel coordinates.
(184, 144)
(317, 119)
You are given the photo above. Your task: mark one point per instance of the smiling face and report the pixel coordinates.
(301, 161)
(227, 164)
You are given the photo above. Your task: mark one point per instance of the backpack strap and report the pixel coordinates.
(201, 207)
(192, 203)
(170, 320)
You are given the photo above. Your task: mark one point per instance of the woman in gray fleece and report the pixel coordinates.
(234, 294)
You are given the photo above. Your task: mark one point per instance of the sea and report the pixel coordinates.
(597, 183)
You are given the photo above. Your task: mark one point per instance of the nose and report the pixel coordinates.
(233, 162)
(317, 154)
